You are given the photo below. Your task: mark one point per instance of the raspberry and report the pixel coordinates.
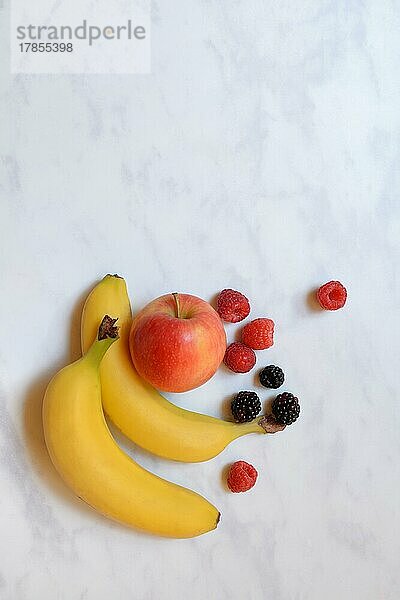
(259, 334)
(239, 358)
(245, 406)
(332, 295)
(232, 306)
(241, 476)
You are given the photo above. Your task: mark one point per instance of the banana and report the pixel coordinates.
(94, 466)
(138, 410)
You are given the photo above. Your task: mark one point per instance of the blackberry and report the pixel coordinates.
(245, 406)
(286, 408)
(272, 377)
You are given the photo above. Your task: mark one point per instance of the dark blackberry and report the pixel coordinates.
(286, 408)
(272, 377)
(245, 406)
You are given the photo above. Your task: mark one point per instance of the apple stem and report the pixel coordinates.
(177, 305)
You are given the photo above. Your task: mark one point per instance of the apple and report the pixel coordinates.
(177, 342)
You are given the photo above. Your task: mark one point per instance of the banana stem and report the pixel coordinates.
(264, 424)
(270, 424)
(107, 328)
(107, 335)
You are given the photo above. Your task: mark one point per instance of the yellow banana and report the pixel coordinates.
(140, 411)
(93, 465)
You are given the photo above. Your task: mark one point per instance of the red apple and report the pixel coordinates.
(177, 342)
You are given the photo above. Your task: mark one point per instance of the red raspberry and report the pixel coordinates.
(259, 334)
(241, 476)
(232, 306)
(239, 358)
(332, 295)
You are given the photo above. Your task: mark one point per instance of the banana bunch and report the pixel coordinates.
(85, 453)
(94, 466)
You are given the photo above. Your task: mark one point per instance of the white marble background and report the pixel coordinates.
(263, 154)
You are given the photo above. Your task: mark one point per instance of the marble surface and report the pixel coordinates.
(262, 154)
